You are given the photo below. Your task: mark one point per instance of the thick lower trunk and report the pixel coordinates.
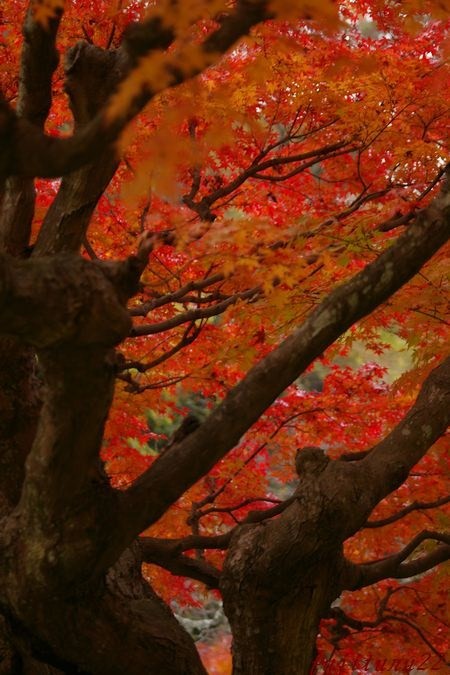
(19, 411)
(279, 580)
(119, 627)
(58, 605)
(277, 636)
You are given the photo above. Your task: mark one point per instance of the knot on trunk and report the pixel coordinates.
(61, 299)
(310, 460)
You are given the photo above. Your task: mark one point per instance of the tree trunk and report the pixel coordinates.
(59, 605)
(19, 411)
(276, 634)
(118, 627)
(279, 580)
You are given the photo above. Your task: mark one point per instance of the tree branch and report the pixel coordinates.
(39, 60)
(203, 206)
(168, 552)
(194, 314)
(236, 507)
(395, 567)
(342, 620)
(91, 75)
(38, 63)
(164, 554)
(176, 296)
(174, 472)
(190, 334)
(414, 506)
(209, 499)
(391, 460)
(29, 152)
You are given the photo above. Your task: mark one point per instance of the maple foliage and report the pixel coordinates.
(282, 170)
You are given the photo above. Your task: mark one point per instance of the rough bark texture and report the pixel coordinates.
(72, 598)
(91, 75)
(19, 409)
(278, 583)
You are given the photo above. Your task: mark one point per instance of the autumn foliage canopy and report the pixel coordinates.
(255, 161)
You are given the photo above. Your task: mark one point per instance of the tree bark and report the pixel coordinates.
(72, 598)
(19, 412)
(59, 606)
(91, 75)
(119, 626)
(274, 606)
(280, 577)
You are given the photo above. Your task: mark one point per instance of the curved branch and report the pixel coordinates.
(176, 296)
(91, 74)
(159, 552)
(319, 156)
(209, 499)
(396, 221)
(135, 388)
(193, 314)
(189, 336)
(174, 472)
(38, 63)
(29, 152)
(39, 60)
(236, 507)
(168, 553)
(342, 619)
(394, 567)
(414, 506)
(390, 461)
(202, 207)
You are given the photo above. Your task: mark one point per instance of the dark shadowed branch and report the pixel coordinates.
(171, 474)
(91, 75)
(39, 60)
(194, 314)
(165, 554)
(176, 296)
(397, 566)
(344, 621)
(29, 152)
(414, 506)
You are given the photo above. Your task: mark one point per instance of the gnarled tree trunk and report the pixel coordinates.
(71, 592)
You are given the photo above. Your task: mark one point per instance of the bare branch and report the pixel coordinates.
(135, 387)
(414, 506)
(171, 474)
(194, 314)
(39, 60)
(395, 567)
(176, 296)
(190, 334)
(398, 220)
(236, 507)
(209, 499)
(342, 620)
(164, 554)
(31, 153)
(203, 206)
